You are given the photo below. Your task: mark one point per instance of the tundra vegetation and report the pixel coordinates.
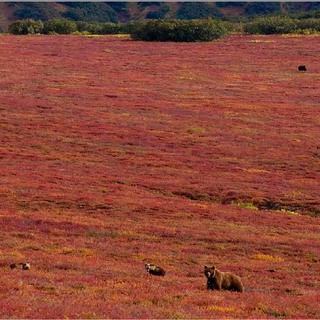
(116, 153)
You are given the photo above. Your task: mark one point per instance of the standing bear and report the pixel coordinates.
(217, 280)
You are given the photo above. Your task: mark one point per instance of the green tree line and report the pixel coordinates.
(169, 30)
(63, 26)
(149, 30)
(282, 25)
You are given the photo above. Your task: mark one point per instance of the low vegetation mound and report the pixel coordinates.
(179, 30)
(281, 25)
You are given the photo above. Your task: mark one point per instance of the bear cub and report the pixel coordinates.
(217, 280)
(154, 270)
(22, 265)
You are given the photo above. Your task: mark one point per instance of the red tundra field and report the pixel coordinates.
(117, 153)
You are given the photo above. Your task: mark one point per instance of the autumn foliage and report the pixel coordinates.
(116, 153)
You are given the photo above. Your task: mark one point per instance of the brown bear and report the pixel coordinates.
(154, 270)
(217, 280)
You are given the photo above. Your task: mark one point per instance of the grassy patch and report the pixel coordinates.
(266, 257)
(247, 205)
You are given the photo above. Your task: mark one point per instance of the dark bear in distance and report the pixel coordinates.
(154, 270)
(217, 280)
(302, 68)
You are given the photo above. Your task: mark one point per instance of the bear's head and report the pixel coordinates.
(150, 266)
(209, 271)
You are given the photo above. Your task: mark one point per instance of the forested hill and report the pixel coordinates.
(126, 11)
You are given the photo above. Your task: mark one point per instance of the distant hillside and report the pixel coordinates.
(126, 11)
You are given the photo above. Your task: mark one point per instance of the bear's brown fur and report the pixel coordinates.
(217, 280)
(154, 270)
(22, 265)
